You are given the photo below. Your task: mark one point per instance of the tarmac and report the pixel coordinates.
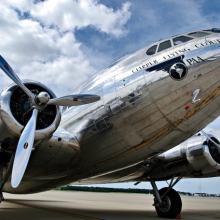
(66, 205)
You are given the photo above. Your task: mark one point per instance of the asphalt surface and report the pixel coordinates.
(54, 205)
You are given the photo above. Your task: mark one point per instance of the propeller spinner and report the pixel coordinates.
(39, 102)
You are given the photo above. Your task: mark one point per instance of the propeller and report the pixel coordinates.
(39, 102)
(210, 139)
(23, 151)
(70, 100)
(11, 74)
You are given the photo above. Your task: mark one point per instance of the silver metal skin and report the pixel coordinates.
(148, 105)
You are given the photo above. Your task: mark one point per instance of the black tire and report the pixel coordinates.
(172, 204)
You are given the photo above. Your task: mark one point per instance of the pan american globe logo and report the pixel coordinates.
(178, 71)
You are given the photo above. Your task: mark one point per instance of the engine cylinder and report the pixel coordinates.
(16, 110)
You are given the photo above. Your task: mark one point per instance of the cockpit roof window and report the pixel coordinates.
(152, 50)
(199, 34)
(164, 45)
(181, 39)
(214, 30)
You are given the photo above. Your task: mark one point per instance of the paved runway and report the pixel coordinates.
(54, 205)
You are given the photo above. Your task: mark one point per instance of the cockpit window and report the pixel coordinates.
(181, 39)
(214, 30)
(151, 50)
(199, 34)
(164, 45)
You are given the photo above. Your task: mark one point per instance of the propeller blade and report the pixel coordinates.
(12, 75)
(210, 139)
(23, 150)
(74, 100)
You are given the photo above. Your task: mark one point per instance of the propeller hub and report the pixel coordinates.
(42, 98)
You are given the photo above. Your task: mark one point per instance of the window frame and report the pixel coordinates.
(156, 44)
(165, 48)
(206, 34)
(213, 30)
(191, 38)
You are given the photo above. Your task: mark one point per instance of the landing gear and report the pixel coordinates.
(167, 201)
(5, 176)
(1, 197)
(171, 205)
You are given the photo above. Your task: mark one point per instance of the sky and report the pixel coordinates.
(61, 43)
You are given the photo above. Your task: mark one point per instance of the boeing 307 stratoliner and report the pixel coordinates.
(130, 122)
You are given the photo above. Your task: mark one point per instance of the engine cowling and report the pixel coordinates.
(199, 156)
(16, 111)
(204, 156)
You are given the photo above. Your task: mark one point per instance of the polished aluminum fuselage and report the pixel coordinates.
(142, 112)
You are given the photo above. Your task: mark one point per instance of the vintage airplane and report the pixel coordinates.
(122, 125)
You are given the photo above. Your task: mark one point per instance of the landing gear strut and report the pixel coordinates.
(1, 197)
(4, 177)
(167, 201)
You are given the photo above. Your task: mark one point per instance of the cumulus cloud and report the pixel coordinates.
(68, 14)
(38, 39)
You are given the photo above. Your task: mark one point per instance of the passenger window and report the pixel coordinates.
(181, 39)
(151, 50)
(199, 34)
(164, 45)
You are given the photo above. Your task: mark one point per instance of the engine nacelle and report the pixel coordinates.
(197, 156)
(16, 111)
(205, 156)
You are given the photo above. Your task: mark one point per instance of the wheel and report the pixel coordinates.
(171, 204)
